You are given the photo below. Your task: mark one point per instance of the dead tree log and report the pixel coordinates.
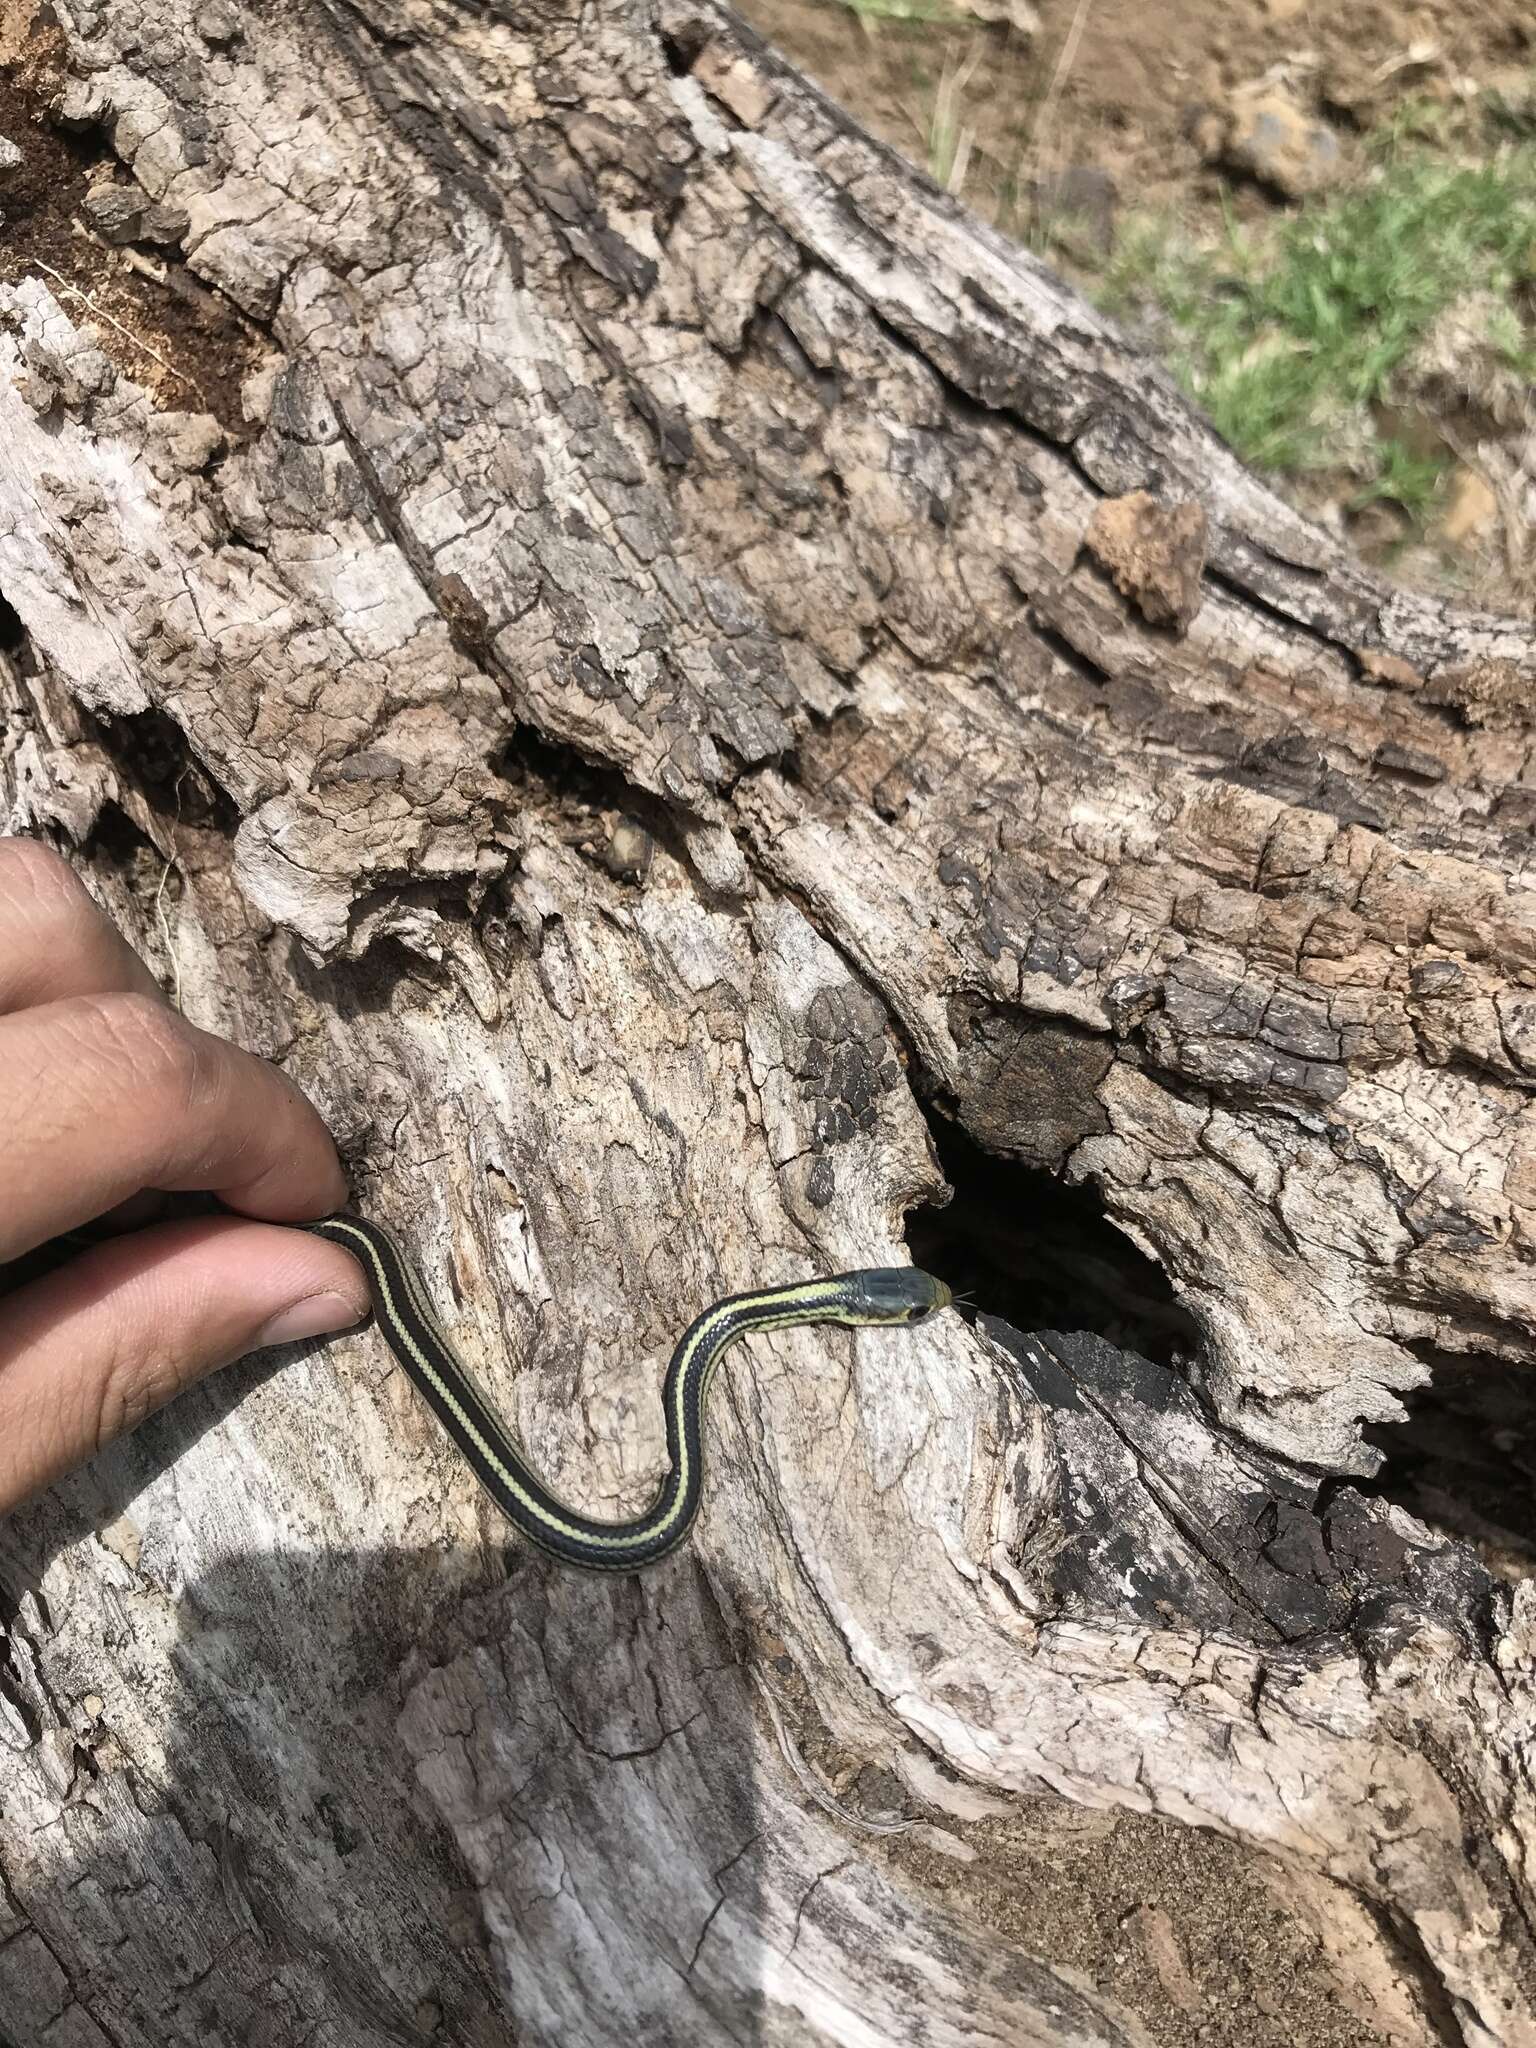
(692, 664)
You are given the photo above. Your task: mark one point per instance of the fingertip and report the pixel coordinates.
(304, 1181)
(317, 1315)
(300, 1278)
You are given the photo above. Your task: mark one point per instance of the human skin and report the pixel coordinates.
(109, 1099)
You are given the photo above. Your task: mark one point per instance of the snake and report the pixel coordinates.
(875, 1295)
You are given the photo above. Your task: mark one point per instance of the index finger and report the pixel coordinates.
(55, 940)
(101, 1096)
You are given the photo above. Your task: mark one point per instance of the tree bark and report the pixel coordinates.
(694, 666)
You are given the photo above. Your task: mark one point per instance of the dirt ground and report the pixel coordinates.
(185, 345)
(1137, 76)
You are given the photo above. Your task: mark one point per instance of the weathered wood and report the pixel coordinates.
(650, 704)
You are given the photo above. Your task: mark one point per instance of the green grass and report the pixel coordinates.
(1290, 341)
(901, 10)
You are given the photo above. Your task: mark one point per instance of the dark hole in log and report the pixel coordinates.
(13, 634)
(153, 747)
(1042, 1255)
(1464, 1461)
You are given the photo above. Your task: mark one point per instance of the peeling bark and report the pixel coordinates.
(697, 660)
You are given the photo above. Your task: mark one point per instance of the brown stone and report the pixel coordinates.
(1154, 552)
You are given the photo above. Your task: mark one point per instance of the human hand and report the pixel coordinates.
(105, 1092)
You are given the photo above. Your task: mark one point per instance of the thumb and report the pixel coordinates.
(91, 1349)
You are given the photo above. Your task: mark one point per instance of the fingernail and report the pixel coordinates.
(317, 1315)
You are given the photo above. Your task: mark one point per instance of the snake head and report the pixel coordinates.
(893, 1294)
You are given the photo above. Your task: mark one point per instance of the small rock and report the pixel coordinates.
(1081, 194)
(374, 764)
(736, 82)
(124, 1538)
(256, 394)
(1390, 670)
(84, 104)
(191, 440)
(165, 222)
(69, 499)
(1155, 553)
(1206, 126)
(1510, 91)
(1018, 15)
(1378, 529)
(116, 212)
(942, 1841)
(1280, 143)
(218, 23)
(1467, 362)
(1471, 508)
(10, 155)
(628, 850)
(1155, 1930)
(95, 371)
(37, 392)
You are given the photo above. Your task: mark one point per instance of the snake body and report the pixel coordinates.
(409, 1324)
